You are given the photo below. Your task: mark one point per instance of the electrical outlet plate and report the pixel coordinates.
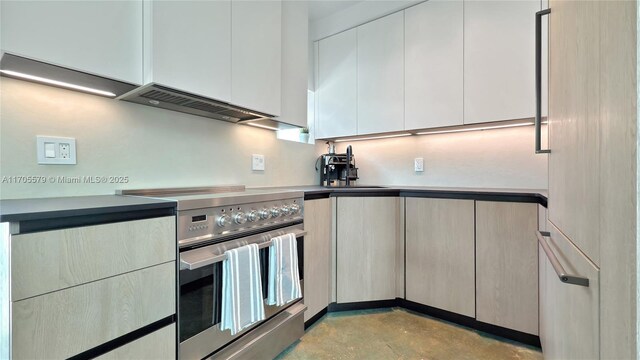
(56, 150)
(257, 162)
(418, 164)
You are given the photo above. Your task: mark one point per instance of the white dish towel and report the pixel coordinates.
(242, 303)
(284, 278)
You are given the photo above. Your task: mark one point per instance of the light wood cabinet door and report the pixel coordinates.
(187, 46)
(433, 47)
(574, 114)
(256, 46)
(317, 255)
(53, 260)
(161, 344)
(381, 75)
(98, 37)
(499, 60)
(440, 254)
(507, 265)
(337, 86)
(570, 329)
(367, 229)
(64, 323)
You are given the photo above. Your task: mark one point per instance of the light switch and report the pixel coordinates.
(257, 162)
(49, 150)
(56, 150)
(418, 164)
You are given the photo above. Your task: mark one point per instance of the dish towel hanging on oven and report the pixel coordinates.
(242, 304)
(284, 277)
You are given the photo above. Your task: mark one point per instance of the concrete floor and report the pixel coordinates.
(399, 334)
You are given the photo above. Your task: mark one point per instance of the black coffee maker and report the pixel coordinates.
(337, 169)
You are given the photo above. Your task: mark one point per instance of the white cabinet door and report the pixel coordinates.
(98, 37)
(433, 64)
(256, 55)
(295, 62)
(499, 60)
(188, 45)
(381, 75)
(337, 86)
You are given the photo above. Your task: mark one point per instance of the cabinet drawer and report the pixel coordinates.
(53, 260)
(160, 344)
(570, 313)
(67, 322)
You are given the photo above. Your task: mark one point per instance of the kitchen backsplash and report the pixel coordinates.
(152, 147)
(499, 158)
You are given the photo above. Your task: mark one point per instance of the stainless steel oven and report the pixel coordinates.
(209, 222)
(201, 291)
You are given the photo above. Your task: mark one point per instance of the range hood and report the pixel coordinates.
(151, 94)
(171, 99)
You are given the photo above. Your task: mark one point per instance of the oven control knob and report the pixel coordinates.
(223, 220)
(275, 212)
(285, 210)
(252, 216)
(264, 214)
(294, 209)
(239, 217)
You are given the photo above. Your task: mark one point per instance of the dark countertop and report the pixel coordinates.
(491, 194)
(61, 207)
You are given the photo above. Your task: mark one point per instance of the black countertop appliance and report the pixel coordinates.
(337, 169)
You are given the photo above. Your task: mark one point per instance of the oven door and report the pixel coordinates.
(200, 301)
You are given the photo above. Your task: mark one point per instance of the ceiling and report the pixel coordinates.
(319, 9)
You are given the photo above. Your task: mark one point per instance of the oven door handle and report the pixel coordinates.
(196, 259)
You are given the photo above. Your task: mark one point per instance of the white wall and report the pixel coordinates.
(154, 147)
(355, 15)
(500, 158)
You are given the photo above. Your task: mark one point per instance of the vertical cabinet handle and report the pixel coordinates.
(538, 122)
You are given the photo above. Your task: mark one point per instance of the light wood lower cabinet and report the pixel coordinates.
(367, 229)
(570, 313)
(317, 255)
(47, 261)
(440, 269)
(507, 265)
(67, 322)
(160, 344)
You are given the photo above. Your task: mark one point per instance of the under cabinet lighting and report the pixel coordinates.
(373, 137)
(473, 129)
(57, 83)
(262, 126)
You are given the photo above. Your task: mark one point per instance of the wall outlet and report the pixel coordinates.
(56, 150)
(418, 164)
(257, 162)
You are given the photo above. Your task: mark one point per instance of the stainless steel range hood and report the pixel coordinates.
(171, 99)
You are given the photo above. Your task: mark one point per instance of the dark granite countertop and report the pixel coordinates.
(516, 195)
(61, 207)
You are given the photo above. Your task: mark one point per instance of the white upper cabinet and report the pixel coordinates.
(433, 64)
(380, 76)
(256, 45)
(97, 37)
(499, 60)
(337, 86)
(295, 62)
(187, 46)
